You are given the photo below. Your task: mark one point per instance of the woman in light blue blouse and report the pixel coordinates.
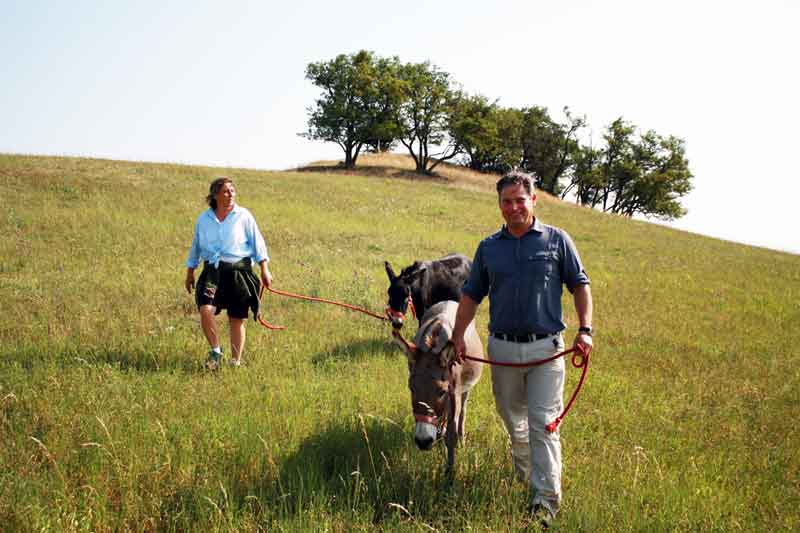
(227, 239)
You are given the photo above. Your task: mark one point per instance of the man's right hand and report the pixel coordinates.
(464, 315)
(459, 348)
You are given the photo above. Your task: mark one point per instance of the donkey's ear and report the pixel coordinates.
(389, 271)
(431, 339)
(438, 337)
(444, 336)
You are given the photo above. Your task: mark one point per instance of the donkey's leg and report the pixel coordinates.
(451, 438)
(462, 417)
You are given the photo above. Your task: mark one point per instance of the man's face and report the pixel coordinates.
(517, 207)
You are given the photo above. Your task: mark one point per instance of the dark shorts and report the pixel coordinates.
(223, 295)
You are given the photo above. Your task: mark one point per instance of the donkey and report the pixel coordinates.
(439, 387)
(425, 283)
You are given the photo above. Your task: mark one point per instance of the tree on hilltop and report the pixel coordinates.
(372, 103)
(548, 147)
(383, 133)
(358, 102)
(487, 134)
(424, 113)
(646, 175)
(585, 179)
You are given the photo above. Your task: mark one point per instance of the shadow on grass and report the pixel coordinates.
(363, 464)
(356, 351)
(125, 360)
(368, 462)
(356, 469)
(143, 361)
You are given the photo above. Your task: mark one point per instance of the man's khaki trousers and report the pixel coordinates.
(527, 399)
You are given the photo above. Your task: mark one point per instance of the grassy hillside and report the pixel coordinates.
(108, 422)
(393, 165)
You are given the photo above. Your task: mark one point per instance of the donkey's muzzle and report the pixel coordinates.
(425, 435)
(424, 444)
(397, 318)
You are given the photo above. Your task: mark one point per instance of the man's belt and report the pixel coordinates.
(529, 337)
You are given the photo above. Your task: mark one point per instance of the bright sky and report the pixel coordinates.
(222, 83)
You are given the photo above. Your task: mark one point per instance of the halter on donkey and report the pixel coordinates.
(439, 388)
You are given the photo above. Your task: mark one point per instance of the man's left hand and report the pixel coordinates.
(583, 343)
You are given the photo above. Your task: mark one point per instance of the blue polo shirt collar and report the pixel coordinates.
(536, 226)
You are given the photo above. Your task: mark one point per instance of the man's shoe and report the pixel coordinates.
(542, 515)
(214, 361)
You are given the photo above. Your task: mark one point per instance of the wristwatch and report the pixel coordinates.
(585, 329)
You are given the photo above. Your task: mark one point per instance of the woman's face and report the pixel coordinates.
(226, 195)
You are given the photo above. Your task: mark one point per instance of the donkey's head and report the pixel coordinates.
(430, 382)
(400, 288)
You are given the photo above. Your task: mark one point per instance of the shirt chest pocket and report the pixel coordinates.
(541, 266)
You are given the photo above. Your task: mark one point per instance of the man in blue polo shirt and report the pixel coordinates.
(522, 268)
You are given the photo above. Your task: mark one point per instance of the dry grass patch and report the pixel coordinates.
(394, 165)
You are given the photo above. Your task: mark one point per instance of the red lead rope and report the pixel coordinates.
(310, 299)
(579, 360)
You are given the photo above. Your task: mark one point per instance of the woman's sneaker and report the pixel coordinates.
(214, 360)
(235, 362)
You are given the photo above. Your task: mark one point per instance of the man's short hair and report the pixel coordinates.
(513, 178)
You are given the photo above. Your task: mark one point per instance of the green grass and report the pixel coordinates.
(107, 421)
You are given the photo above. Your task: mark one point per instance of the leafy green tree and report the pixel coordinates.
(618, 168)
(646, 175)
(663, 178)
(548, 146)
(487, 134)
(508, 151)
(388, 87)
(472, 128)
(357, 104)
(585, 178)
(424, 114)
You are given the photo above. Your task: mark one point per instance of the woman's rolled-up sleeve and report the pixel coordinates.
(259, 246)
(193, 260)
